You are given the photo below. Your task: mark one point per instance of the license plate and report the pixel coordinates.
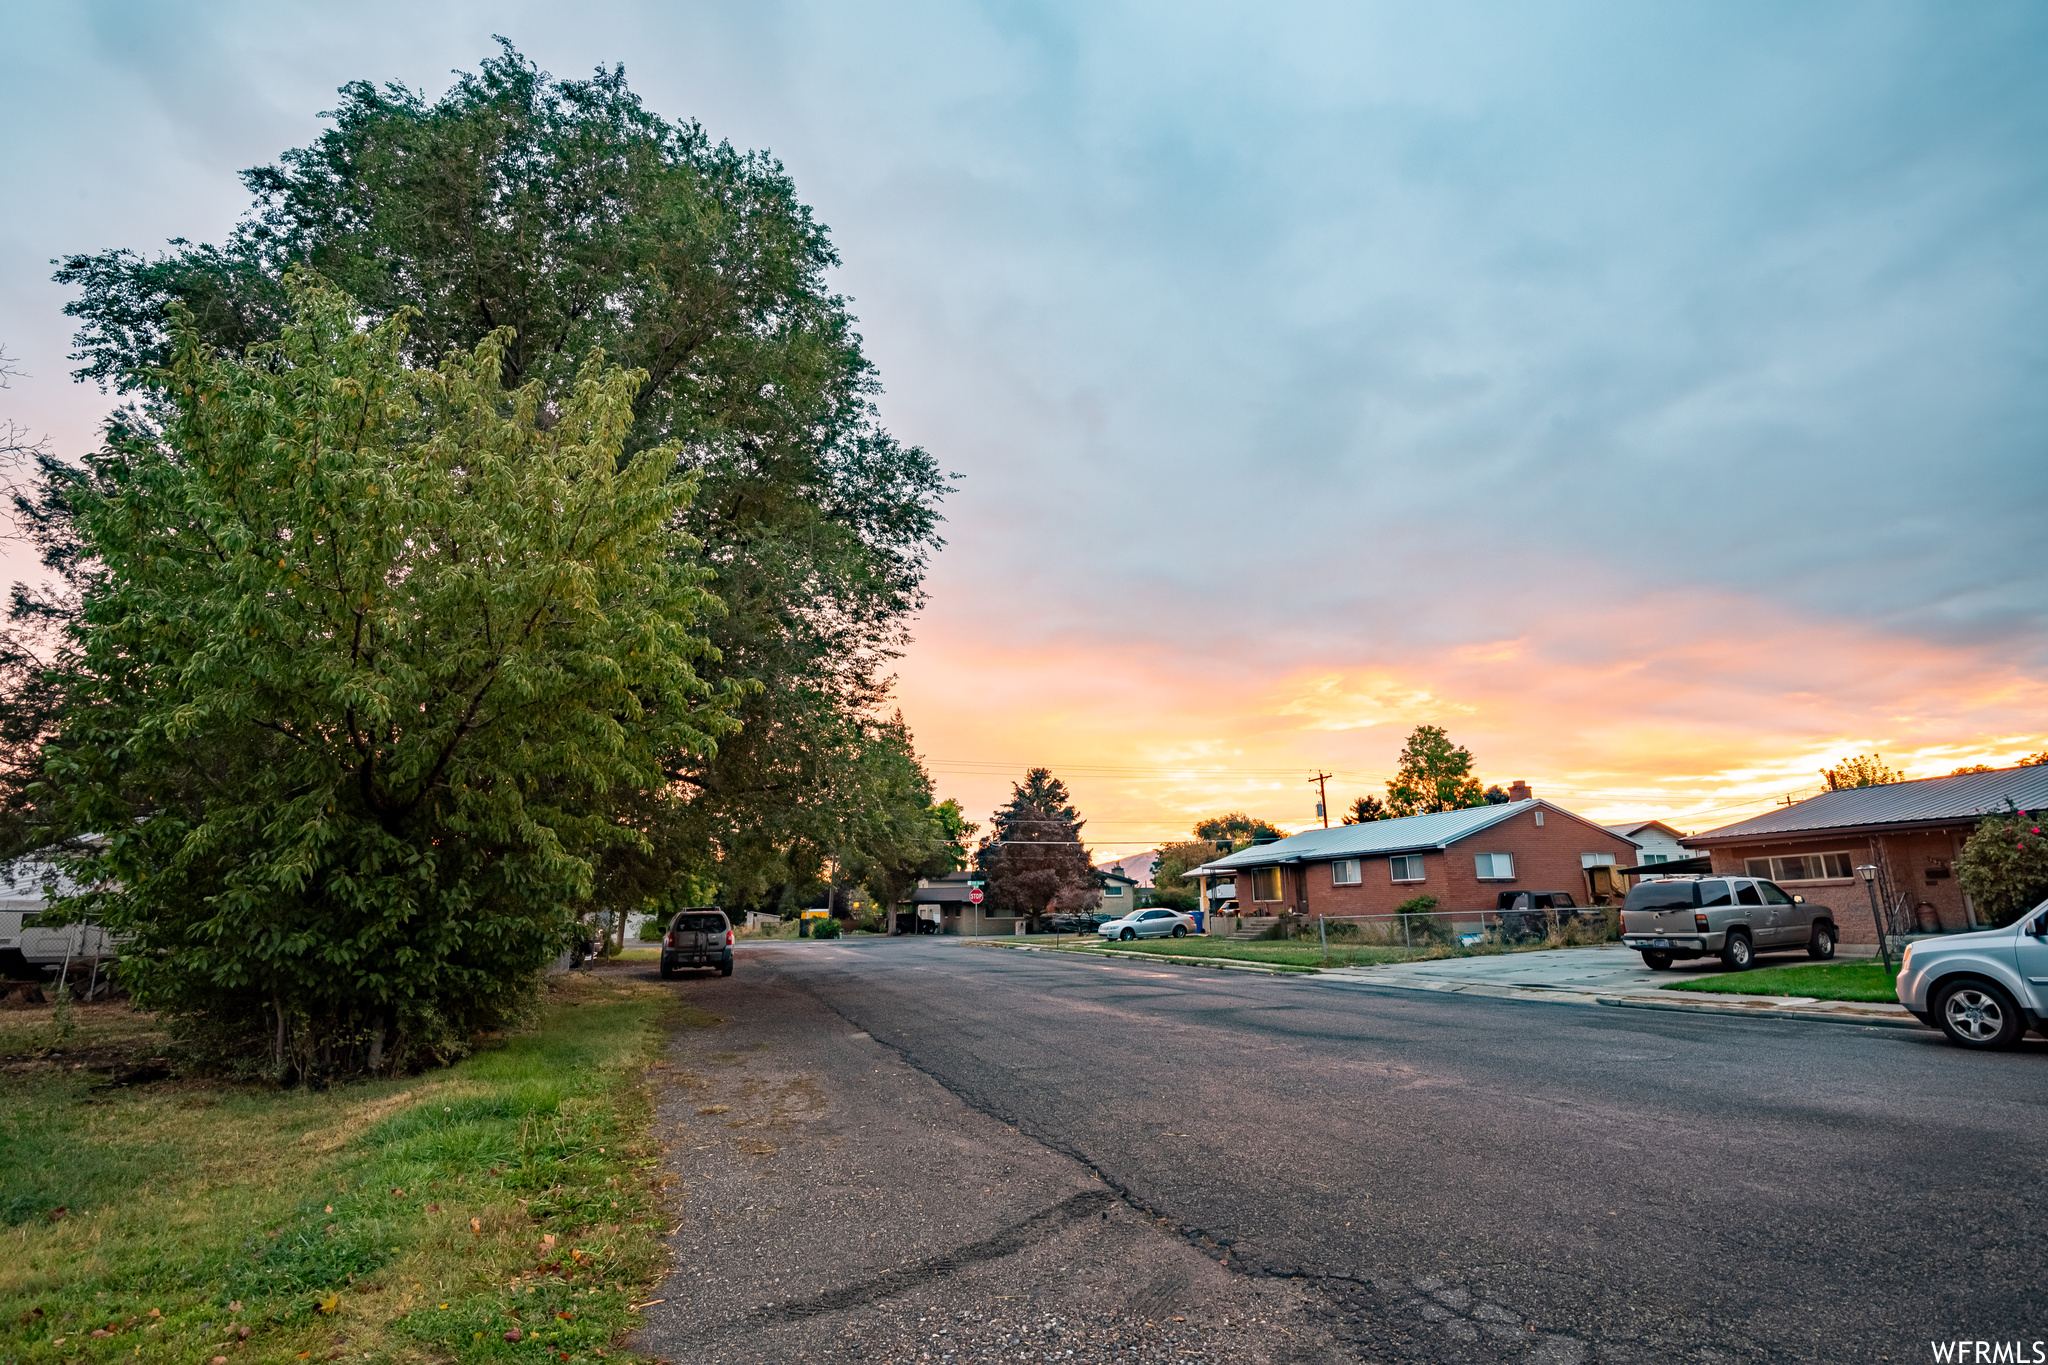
(1660, 943)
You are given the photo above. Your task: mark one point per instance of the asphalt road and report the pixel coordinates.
(1314, 1170)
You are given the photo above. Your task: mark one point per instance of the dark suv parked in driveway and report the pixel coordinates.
(700, 937)
(1733, 918)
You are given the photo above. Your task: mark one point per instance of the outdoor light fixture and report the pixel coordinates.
(1868, 871)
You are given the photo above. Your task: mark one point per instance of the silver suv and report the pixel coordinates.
(1984, 989)
(1733, 918)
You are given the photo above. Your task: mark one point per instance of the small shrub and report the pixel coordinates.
(652, 928)
(825, 928)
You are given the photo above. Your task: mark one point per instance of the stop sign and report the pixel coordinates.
(974, 896)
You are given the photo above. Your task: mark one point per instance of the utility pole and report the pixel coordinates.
(1322, 781)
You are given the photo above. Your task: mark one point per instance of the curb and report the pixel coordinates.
(1219, 964)
(1804, 1016)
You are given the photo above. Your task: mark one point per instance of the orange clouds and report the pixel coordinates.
(1697, 708)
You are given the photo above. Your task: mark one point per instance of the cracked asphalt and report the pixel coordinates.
(918, 1150)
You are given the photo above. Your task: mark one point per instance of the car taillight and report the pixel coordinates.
(728, 938)
(669, 940)
(1699, 922)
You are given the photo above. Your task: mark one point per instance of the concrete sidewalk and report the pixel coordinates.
(1613, 975)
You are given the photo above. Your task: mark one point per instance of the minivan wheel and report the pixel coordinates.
(1656, 962)
(1978, 1015)
(1737, 955)
(1822, 944)
(1180, 931)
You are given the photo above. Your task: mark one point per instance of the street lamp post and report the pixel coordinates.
(1868, 871)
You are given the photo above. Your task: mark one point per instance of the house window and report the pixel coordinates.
(1407, 867)
(1495, 866)
(1810, 867)
(1266, 884)
(1344, 872)
(1539, 819)
(1112, 890)
(1649, 858)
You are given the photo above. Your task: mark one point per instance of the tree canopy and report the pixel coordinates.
(568, 213)
(1032, 856)
(1239, 829)
(1434, 775)
(1860, 770)
(1364, 810)
(372, 654)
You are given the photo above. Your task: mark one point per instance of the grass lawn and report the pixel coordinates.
(422, 1219)
(1819, 981)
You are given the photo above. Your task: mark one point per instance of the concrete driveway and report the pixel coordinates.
(1608, 973)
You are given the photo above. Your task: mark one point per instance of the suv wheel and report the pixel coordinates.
(668, 973)
(1180, 931)
(1822, 944)
(1977, 1014)
(1656, 962)
(1737, 955)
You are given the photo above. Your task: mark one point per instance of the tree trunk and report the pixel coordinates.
(377, 1046)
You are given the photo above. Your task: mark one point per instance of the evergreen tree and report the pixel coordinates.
(1033, 858)
(1364, 810)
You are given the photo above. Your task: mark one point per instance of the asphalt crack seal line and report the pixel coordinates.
(1037, 1228)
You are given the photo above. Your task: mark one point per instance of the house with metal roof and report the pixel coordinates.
(1910, 832)
(1464, 858)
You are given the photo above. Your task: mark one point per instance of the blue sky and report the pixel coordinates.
(1653, 394)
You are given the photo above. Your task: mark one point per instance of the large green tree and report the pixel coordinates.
(1860, 770)
(1033, 856)
(571, 214)
(900, 834)
(372, 655)
(1434, 775)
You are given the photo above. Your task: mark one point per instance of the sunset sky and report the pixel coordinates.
(1654, 396)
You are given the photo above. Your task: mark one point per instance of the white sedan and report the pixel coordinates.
(1155, 923)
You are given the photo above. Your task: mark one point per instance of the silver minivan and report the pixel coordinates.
(1732, 918)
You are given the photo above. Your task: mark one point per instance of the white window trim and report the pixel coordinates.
(1401, 860)
(1770, 867)
(1342, 866)
(1493, 873)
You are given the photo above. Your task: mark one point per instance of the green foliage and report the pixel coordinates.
(1033, 857)
(371, 653)
(1240, 829)
(1364, 810)
(825, 928)
(221, 1206)
(2003, 868)
(1174, 860)
(1434, 775)
(1860, 770)
(570, 213)
(894, 834)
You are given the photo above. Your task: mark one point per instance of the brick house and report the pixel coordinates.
(1465, 858)
(1911, 831)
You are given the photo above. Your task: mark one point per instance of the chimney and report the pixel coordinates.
(1520, 791)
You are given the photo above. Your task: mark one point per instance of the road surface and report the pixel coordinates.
(1303, 1169)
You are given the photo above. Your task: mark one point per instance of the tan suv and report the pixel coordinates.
(1733, 918)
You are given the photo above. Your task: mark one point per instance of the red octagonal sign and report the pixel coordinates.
(975, 895)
